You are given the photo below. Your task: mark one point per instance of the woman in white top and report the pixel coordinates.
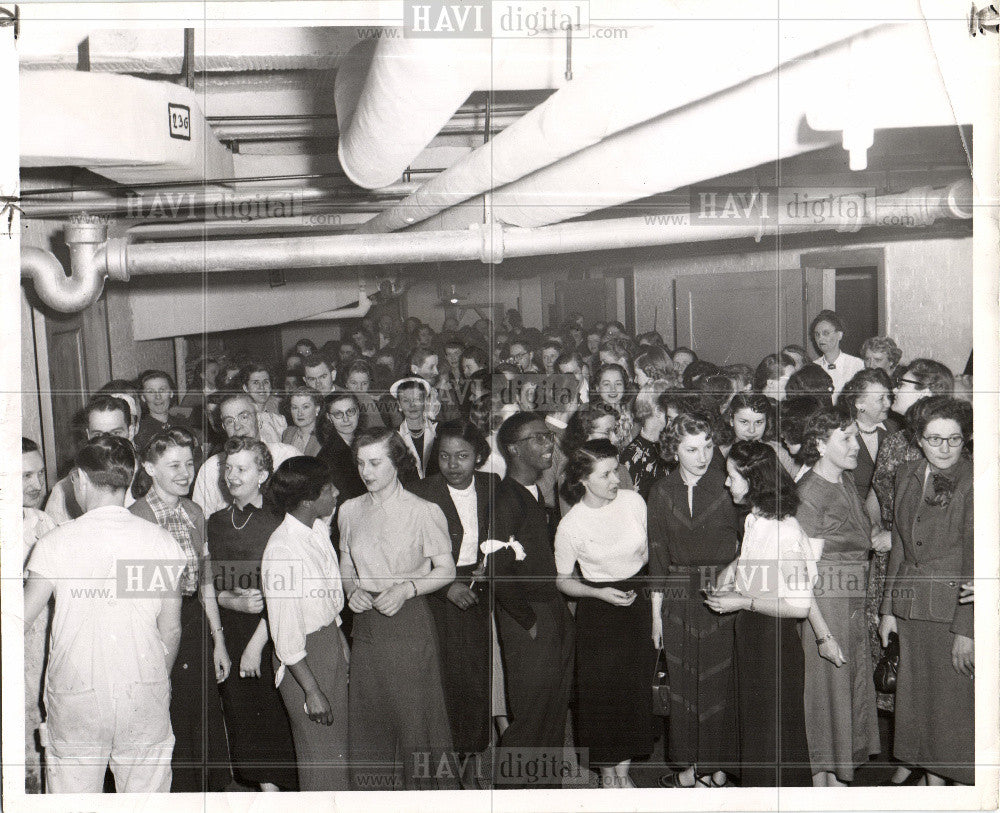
(771, 584)
(827, 332)
(601, 552)
(304, 595)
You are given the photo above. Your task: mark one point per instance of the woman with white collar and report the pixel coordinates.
(417, 429)
(827, 332)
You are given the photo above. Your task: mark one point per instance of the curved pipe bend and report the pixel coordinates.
(62, 292)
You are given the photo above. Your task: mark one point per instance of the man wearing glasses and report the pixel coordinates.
(239, 420)
(536, 629)
(103, 415)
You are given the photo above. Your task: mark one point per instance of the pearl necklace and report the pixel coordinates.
(232, 518)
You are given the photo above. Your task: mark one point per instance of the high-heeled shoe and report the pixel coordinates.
(913, 779)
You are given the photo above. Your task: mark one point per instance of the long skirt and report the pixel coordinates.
(201, 756)
(699, 647)
(935, 705)
(399, 732)
(841, 719)
(322, 750)
(615, 659)
(260, 739)
(464, 640)
(772, 729)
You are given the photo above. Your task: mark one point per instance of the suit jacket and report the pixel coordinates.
(435, 489)
(932, 550)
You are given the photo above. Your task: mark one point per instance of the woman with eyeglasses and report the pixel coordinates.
(693, 530)
(932, 556)
(920, 379)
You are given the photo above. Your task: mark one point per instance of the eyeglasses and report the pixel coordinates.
(936, 440)
(540, 437)
(909, 381)
(243, 417)
(342, 416)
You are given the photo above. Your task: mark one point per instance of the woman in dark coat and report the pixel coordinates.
(932, 554)
(461, 609)
(260, 739)
(692, 526)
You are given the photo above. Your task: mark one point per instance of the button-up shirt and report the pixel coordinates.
(302, 587)
(841, 370)
(390, 539)
(178, 524)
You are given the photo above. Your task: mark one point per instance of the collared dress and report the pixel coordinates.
(691, 538)
(304, 597)
(398, 718)
(260, 740)
(841, 721)
(932, 555)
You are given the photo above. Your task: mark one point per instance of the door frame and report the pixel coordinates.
(830, 261)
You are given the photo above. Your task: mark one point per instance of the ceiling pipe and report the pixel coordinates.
(119, 259)
(594, 106)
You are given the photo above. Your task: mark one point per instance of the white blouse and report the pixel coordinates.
(609, 543)
(302, 587)
(777, 560)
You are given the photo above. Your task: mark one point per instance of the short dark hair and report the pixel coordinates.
(793, 415)
(149, 375)
(696, 371)
(419, 356)
(826, 315)
(581, 465)
(856, 387)
(28, 445)
(819, 428)
(770, 369)
(475, 353)
(305, 343)
(772, 491)
(250, 369)
(297, 480)
(108, 462)
(107, 403)
(811, 379)
(315, 359)
(510, 429)
(465, 431)
(946, 408)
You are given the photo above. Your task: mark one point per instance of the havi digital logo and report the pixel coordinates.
(438, 19)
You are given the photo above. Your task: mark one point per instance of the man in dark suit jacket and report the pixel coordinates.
(536, 630)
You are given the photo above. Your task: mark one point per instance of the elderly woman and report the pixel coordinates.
(260, 740)
(827, 332)
(642, 457)
(881, 352)
(601, 554)
(693, 527)
(841, 722)
(932, 554)
(868, 397)
(396, 550)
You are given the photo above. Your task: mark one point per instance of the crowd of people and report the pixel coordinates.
(415, 560)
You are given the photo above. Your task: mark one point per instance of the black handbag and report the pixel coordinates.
(888, 665)
(661, 686)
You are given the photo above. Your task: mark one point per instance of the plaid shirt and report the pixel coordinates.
(176, 521)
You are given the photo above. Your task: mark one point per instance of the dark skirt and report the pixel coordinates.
(399, 730)
(770, 670)
(614, 670)
(699, 646)
(200, 760)
(321, 750)
(935, 705)
(260, 739)
(465, 644)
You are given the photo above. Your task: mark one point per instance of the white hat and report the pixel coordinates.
(394, 389)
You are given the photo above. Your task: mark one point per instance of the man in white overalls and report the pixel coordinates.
(115, 632)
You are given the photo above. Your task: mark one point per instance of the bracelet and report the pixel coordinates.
(216, 629)
(822, 640)
(414, 588)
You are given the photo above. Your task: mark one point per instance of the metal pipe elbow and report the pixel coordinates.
(65, 293)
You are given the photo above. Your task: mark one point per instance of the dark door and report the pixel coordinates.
(857, 306)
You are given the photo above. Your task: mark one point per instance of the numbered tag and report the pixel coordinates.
(180, 121)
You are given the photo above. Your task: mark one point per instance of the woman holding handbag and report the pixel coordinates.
(604, 536)
(770, 584)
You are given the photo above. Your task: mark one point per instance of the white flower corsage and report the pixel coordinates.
(492, 545)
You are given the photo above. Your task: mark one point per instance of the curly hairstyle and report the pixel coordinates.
(945, 408)
(819, 429)
(860, 382)
(885, 345)
(157, 446)
(793, 415)
(647, 400)
(687, 423)
(932, 375)
(581, 464)
(753, 401)
(581, 424)
(261, 454)
(772, 491)
(654, 362)
(464, 431)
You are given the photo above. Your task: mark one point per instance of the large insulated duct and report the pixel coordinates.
(120, 260)
(601, 103)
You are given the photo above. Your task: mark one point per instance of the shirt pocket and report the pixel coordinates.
(942, 600)
(73, 721)
(145, 712)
